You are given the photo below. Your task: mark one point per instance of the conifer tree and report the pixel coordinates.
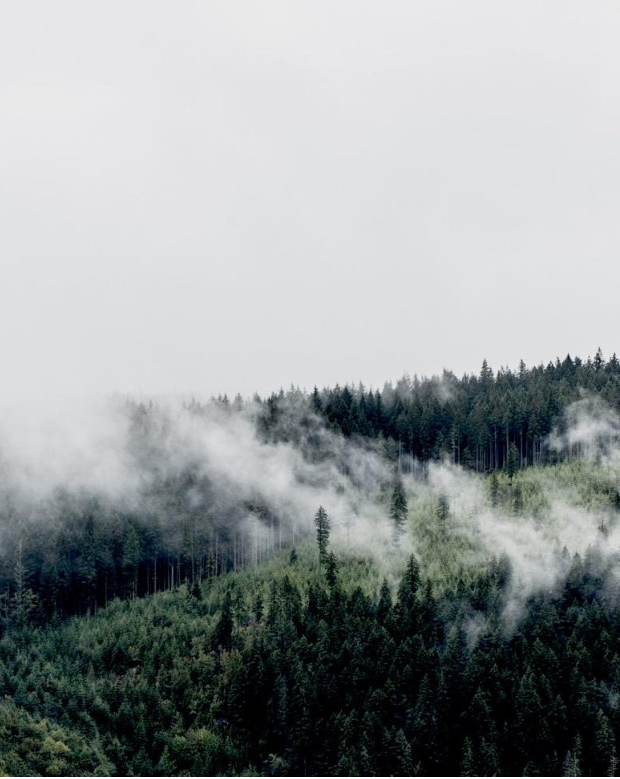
(195, 590)
(131, 559)
(331, 570)
(224, 627)
(572, 761)
(402, 755)
(442, 512)
(315, 400)
(398, 510)
(411, 579)
(604, 744)
(494, 489)
(19, 576)
(512, 464)
(467, 760)
(517, 498)
(321, 521)
(385, 602)
(258, 606)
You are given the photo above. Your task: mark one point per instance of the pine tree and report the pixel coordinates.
(517, 499)
(512, 464)
(87, 566)
(410, 582)
(19, 577)
(258, 606)
(604, 744)
(486, 374)
(385, 602)
(224, 627)
(403, 762)
(131, 558)
(331, 570)
(321, 521)
(442, 512)
(494, 489)
(24, 602)
(612, 768)
(572, 761)
(467, 759)
(398, 510)
(315, 400)
(599, 360)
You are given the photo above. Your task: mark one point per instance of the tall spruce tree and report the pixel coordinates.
(512, 464)
(398, 510)
(224, 627)
(442, 512)
(321, 521)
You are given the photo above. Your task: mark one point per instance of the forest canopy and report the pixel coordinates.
(421, 580)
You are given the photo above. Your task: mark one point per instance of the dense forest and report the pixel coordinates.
(472, 420)
(183, 603)
(286, 670)
(87, 550)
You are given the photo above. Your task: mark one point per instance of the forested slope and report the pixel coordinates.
(285, 670)
(141, 508)
(472, 419)
(422, 580)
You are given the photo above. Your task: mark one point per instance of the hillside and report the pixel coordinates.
(250, 588)
(124, 499)
(283, 669)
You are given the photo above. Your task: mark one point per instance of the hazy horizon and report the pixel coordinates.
(233, 198)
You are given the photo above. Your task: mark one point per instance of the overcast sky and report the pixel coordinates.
(219, 196)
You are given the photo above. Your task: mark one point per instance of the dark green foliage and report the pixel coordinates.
(224, 628)
(131, 559)
(258, 606)
(442, 512)
(604, 746)
(384, 607)
(512, 463)
(86, 553)
(320, 680)
(481, 416)
(223, 670)
(195, 591)
(321, 522)
(398, 509)
(331, 570)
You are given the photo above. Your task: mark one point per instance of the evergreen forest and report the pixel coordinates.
(417, 580)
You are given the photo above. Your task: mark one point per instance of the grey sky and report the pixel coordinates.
(225, 196)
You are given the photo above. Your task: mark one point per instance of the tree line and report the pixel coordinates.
(472, 420)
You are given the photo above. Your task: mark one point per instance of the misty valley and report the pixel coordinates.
(421, 580)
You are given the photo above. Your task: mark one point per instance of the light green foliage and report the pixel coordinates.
(446, 536)
(30, 747)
